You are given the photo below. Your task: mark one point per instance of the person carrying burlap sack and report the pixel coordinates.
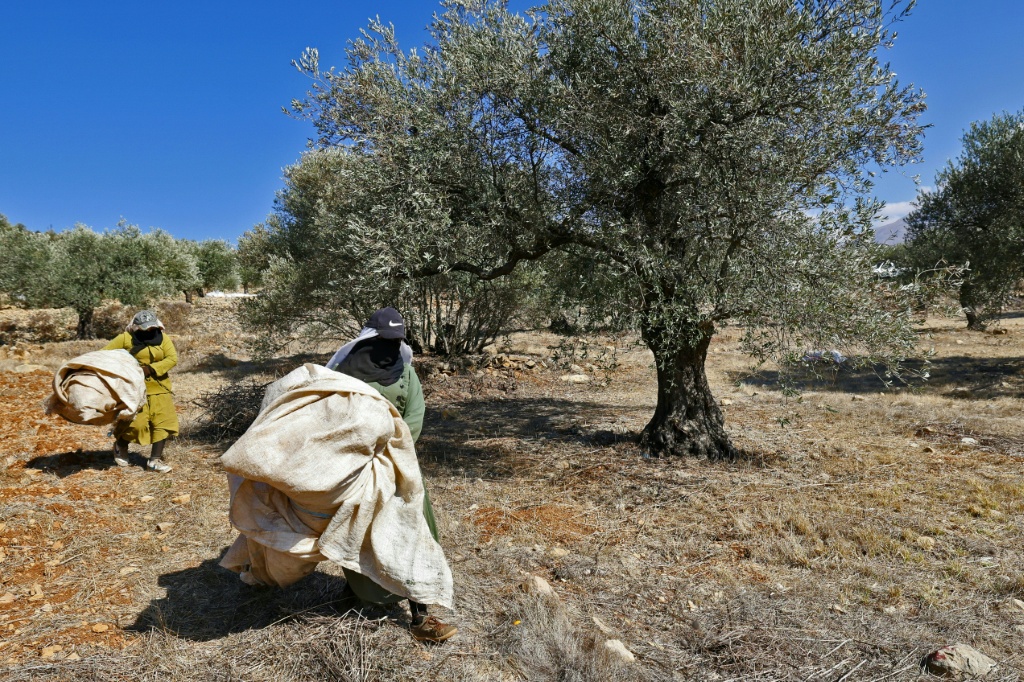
(380, 357)
(157, 422)
(328, 471)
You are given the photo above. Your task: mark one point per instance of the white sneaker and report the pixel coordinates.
(119, 460)
(158, 466)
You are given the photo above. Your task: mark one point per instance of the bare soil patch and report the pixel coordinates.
(860, 531)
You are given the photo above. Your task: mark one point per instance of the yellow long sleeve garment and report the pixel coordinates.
(161, 358)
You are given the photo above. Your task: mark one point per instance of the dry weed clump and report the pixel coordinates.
(110, 319)
(47, 326)
(113, 317)
(545, 643)
(176, 316)
(225, 413)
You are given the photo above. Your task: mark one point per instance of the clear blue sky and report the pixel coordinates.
(169, 114)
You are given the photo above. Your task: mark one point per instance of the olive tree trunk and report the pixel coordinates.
(84, 328)
(968, 303)
(687, 420)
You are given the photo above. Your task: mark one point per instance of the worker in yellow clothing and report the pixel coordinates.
(158, 421)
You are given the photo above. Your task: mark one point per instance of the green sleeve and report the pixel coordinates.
(170, 358)
(118, 342)
(414, 405)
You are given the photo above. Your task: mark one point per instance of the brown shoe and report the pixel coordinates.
(431, 629)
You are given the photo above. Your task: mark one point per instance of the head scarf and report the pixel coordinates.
(372, 361)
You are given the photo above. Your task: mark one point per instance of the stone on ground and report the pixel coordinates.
(618, 651)
(958, 662)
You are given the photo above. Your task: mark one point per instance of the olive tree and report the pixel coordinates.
(24, 264)
(216, 266)
(87, 268)
(710, 158)
(322, 272)
(975, 217)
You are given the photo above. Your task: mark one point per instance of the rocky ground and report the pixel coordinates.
(863, 527)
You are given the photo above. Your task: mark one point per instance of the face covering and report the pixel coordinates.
(375, 360)
(148, 337)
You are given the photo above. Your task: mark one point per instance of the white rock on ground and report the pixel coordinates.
(25, 369)
(617, 650)
(601, 625)
(537, 585)
(958, 662)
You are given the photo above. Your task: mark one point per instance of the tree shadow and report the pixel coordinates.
(237, 370)
(208, 602)
(499, 438)
(959, 377)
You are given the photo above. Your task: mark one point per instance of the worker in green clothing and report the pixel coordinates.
(380, 357)
(157, 422)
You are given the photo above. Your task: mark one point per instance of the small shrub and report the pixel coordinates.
(175, 315)
(228, 411)
(49, 326)
(110, 319)
(8, 332)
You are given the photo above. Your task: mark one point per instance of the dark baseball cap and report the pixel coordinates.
(388, 322)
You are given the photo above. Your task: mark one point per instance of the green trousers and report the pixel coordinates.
(371, 592)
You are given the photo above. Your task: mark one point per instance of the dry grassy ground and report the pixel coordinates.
(858, 532)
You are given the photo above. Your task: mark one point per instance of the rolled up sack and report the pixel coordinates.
(98, 388)
(328, 470)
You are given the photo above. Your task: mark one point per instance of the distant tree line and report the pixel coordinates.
(81, 268)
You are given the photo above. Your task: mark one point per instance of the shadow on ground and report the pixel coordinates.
(494, 438)
(66, 464)
(500, 438)
(236, 370)
(487, 437)
(953, 376)
(208, 602)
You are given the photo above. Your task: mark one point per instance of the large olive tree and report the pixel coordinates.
(975, 217)
(708, 160)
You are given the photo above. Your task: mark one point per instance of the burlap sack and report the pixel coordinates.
(98, 388)
(328, 446)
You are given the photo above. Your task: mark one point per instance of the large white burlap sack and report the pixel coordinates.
(98, 388)
(328, 446)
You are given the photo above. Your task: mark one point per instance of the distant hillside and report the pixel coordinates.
(891, 233)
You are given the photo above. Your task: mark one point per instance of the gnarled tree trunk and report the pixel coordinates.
(967, 302)
(84, 328)
(687, 420)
